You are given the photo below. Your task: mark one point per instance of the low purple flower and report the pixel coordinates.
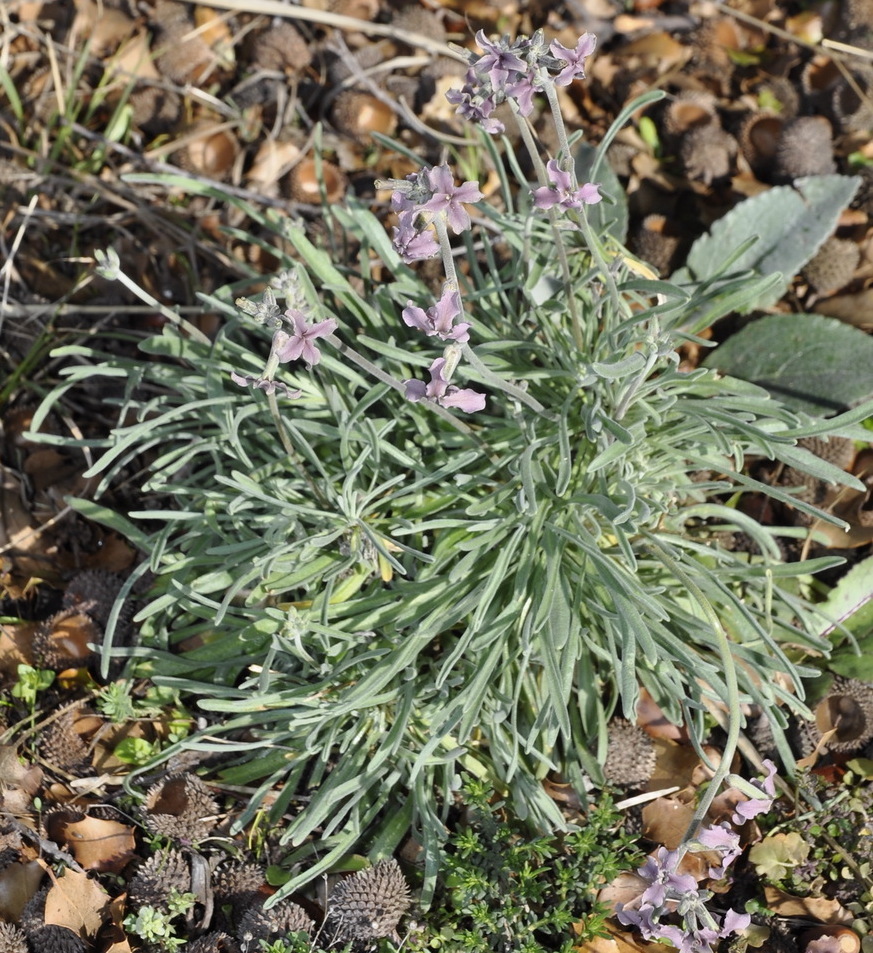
(437, 320)
(561, 191)
(448, 198)
(264, 384)
(575, 59)
(498, 60)
(721, 837)
(746, 810)
(299, 343)
(439, 391)
(661, 873)
(412, 244)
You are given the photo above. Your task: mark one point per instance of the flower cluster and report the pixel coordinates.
(516, 71)
(677, 896)
(293, 338)
(425, 197)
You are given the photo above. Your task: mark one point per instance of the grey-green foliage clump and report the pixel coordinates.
(367, 594)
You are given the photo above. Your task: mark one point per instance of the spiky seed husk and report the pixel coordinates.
(181, 807)
(215, 942)
(161, 873)
(368, 905)
(282, 49)
(833, 265)
(33, 914)
(62, 746)
(805, 148)
(55, 939)
(259, 924)
(630, 754)
(93, 591)
(708, 153)
(12, 939)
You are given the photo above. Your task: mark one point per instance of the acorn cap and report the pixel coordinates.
(805, 148)
(180, 807)
(12, 939)
(848, 707)
(358, 114)
(62, 641)
(759, 139)
(259, 924)
(630, 754)
(161, 873)
(368, 905)
(690, 109)
(304, 184)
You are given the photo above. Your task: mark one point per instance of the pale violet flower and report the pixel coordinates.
(299, 343)
(575, 59)
(438, 319)
(264, 384)
(562, 193)
(439, 391)
(449, 199)
(746, 810)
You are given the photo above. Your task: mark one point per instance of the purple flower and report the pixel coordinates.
(523, 92)
(723, 838)
(448, 198)
(413, 245)
(299, 343)
(262, 383)
(498, 61)
(574, 59)
(561, 191)
(438, 319)
(439, 391)
(476, 108)
(746, 810)
(660, 871)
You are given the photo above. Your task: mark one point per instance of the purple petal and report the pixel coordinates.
(559, 178)
(414, 317)
(545, 197)
(415, 391)
(590, 193)
(734, 922)
(464, 399)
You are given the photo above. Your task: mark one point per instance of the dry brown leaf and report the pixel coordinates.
(18, 883)
(16, 646)
(103, 845)
(674, 765)
(666, 820)
(618, 941)
(77, 902)
(819, 908)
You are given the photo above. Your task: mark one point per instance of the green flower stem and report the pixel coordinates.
(494, 380)
(439, 224)
(733, 692)
(533, 151)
